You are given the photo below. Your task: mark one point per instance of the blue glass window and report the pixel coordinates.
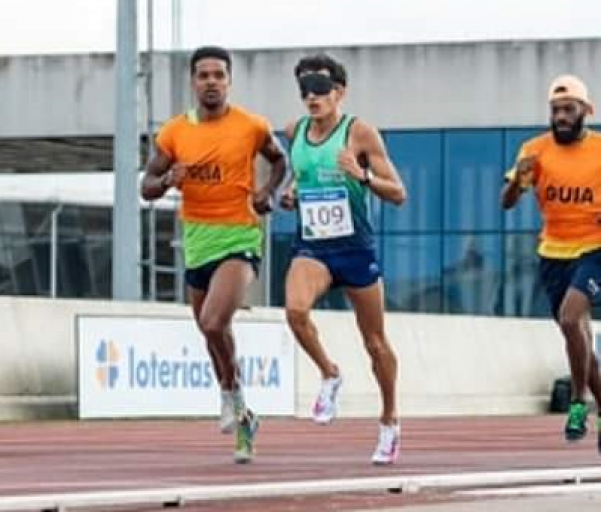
(411, 272)
(473, 161)
(472, 274)
(417, 156)
(523, 293)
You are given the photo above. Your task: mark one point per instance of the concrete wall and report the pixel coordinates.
(38, 356)
(403, 86)
(448, 364)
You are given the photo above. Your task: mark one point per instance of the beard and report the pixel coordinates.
(212, 101)
(565, 137)
(212, 104)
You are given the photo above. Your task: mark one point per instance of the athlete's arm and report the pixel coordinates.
(272, 151)
(288, 197)
(510, 194)
(366, 143)
(160, 176)
(518, 183)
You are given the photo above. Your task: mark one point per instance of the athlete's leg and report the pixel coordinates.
(594, 382)
(197, 298)
(227, 418)
(588, 281)
(573, 315)
(307, 280)
(369, 311)
(227, 289)
(368, 303)
(594, 379)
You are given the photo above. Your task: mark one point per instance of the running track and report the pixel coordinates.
(51, 457)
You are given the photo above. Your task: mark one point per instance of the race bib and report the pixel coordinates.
(325, 214)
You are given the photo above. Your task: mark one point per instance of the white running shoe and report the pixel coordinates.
(227, 420)
(389, 443)
(324, 409)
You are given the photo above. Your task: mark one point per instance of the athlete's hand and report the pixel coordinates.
(262, 202)
(524, 171)
(175, 175)
(288, 198)
(347, 161)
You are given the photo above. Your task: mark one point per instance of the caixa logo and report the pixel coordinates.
(141, 369)
(107, 359)
(151, 370)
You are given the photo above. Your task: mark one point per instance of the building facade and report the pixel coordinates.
(452, 117)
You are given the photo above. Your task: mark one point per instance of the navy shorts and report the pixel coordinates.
(356, 268)
(200, 277)
(583, 273)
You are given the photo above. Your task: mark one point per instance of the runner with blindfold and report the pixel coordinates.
(337, 161)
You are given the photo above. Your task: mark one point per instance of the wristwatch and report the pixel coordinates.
(368, 175)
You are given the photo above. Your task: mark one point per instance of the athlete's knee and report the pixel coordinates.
(378, 348)
(212, 326)
(297, 316)
(570, 323)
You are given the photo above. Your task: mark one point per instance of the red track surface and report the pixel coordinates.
(49, 457)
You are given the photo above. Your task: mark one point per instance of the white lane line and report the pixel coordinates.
(536, 490)
(405, 483)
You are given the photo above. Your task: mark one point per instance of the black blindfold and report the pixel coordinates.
(316, 83)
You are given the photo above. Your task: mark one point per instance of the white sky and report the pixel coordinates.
(75, 26)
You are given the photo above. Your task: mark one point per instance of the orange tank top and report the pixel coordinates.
(220, 155)
(567, 183)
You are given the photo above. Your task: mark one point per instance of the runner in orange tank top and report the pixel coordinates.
(209, 154)
(563, 167)
(219, 158)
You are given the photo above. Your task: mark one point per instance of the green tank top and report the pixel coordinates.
(333, 206)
